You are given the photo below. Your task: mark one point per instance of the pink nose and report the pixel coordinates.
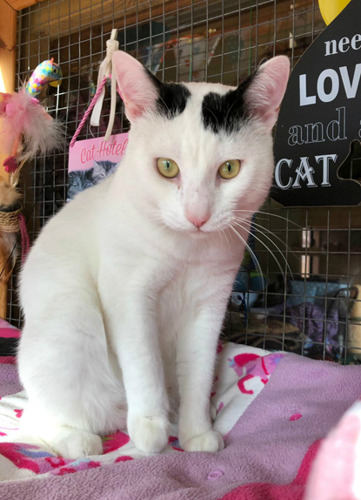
(198, 222)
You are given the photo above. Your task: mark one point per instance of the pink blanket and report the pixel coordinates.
(286, 406)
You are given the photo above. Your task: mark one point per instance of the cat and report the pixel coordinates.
(125, 289)
(79, 180)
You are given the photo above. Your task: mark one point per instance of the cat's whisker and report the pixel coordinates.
(266, 246)
(253, 255)
(269, 250)
(288, 249)
(261, 229)
(224, 232)
(269, 214)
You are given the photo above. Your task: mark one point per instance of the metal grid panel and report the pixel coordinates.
(229, 38)
(311, 261)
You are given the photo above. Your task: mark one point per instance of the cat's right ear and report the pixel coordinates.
(137, 89)
(266, 90)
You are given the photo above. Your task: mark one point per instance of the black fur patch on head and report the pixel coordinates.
(226, 112)
(172, 98)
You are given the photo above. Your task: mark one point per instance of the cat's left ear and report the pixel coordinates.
(137, 88)
(266, 90)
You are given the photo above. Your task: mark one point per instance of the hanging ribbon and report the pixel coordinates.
(105, 71)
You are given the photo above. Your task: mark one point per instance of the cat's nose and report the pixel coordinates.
(198, 222)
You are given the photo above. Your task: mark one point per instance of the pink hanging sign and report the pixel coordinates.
(84, 153)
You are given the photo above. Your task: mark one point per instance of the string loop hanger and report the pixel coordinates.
(105, 72)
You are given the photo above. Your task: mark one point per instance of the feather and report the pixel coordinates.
(25, 117)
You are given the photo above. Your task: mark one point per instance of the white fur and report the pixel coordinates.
(124, 297)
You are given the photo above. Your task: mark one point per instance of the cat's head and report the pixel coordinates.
(102, 169)
(199, 153)
(79, 180)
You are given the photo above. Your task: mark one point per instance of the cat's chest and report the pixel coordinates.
(129, 244)
(144, 254)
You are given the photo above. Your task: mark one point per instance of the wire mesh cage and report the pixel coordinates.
(298, 285)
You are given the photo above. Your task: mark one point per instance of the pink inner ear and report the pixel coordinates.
(136, 88)
(266, 92)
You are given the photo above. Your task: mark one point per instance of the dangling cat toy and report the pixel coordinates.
(26, 130)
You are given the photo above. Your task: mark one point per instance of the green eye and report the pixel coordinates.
(229, 169)
(167, 167)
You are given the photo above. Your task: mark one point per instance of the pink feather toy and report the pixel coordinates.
(27, 129)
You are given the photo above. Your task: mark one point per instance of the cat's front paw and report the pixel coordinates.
(79, 444)
(149, 433)
(211, 441)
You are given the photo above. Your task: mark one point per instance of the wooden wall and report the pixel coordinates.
(7, 83)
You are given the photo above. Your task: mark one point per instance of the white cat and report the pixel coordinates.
(125, 289)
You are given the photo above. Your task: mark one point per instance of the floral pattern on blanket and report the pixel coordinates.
(242, 373)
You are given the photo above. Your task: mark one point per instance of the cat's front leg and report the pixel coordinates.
(134, 339)
(196, 353)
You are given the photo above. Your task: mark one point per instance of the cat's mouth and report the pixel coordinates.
(199, 232)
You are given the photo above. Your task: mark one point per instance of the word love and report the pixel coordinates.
(104, 150)
(303, 172)
(329, 83)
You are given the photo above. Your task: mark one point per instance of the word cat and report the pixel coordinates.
(125, 290)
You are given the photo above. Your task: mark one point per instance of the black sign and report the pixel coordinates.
(317, 148)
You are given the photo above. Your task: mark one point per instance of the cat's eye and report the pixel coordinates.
(229, 169)
(167, 167)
